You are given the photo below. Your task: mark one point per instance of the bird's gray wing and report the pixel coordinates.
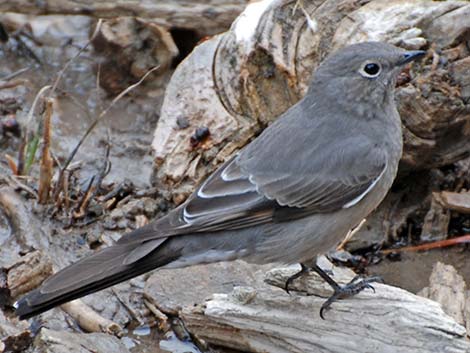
(244, 193)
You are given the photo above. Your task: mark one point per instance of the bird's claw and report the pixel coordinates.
(352, 288)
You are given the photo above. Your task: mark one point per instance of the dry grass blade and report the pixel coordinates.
(93, 187)
(45, 171)
(85, 200)
(66, 66)
(31, 144)
(11, 164)
(15, 74)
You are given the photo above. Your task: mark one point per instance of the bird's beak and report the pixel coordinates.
(410, 56)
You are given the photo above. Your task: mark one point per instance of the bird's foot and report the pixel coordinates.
(355, 286)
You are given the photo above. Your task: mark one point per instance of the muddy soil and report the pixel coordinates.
(35, 54)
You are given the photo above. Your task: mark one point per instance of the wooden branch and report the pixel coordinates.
(266, 319)
(205, 17)
(90, 320)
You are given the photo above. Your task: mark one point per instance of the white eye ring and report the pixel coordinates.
(370, 69)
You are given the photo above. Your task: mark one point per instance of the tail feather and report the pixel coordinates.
(89, 275)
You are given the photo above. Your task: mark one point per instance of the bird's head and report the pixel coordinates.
(362, 73)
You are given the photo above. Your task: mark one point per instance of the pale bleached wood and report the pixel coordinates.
(266, 319)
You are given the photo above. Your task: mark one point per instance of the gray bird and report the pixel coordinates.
(289, 195)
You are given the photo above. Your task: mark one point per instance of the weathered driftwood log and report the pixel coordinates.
(204, 17)
(266, 319)
(236, 83)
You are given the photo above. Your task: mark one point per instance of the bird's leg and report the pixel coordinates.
(304, 269)
(355, 286)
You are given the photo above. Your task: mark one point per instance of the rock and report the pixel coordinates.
(452, 22)
(447, 288)
(171, 290)
(49, 341)
(14, 336)
(399, 21)
(436, 222)
(132, 46)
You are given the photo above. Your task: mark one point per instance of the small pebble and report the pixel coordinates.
(243, 295)
(182, 122)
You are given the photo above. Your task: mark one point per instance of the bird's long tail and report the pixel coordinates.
(107, 267)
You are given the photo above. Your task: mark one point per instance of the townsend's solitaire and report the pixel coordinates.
(288, 196)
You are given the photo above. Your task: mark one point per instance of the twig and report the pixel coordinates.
(161, 317)
(130, 310)
(15, 74)
(350, 235)
(21, 162)
(127, 90)
(464, 239)
(66, 66)
(13, 83)
(82, 205)
(13, 179)
(24, 46)
(35, 103)
(90, 320)
(94, 186)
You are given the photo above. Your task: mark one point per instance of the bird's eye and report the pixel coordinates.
(370, 70)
